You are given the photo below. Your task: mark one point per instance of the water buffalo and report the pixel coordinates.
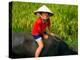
(23, 46)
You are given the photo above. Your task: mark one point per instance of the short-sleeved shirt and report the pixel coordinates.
(39, 26)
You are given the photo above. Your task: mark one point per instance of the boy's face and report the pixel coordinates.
(45, 15)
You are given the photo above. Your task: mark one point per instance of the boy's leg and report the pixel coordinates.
(39, 49)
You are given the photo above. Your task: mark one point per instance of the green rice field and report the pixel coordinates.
(64, 22)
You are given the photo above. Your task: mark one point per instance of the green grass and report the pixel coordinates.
(64, 22)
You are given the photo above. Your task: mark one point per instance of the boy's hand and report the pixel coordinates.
(45, 36)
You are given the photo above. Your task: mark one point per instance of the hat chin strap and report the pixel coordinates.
(43, 17)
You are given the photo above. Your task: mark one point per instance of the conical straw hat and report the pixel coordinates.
(44, 9)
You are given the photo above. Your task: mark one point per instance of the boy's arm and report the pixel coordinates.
(49, 24)
(49, 29)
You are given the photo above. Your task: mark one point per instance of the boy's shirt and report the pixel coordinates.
(39, 26)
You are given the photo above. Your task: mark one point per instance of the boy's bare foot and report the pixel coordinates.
(37, 58)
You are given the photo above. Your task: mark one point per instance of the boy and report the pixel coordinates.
(39, 27)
